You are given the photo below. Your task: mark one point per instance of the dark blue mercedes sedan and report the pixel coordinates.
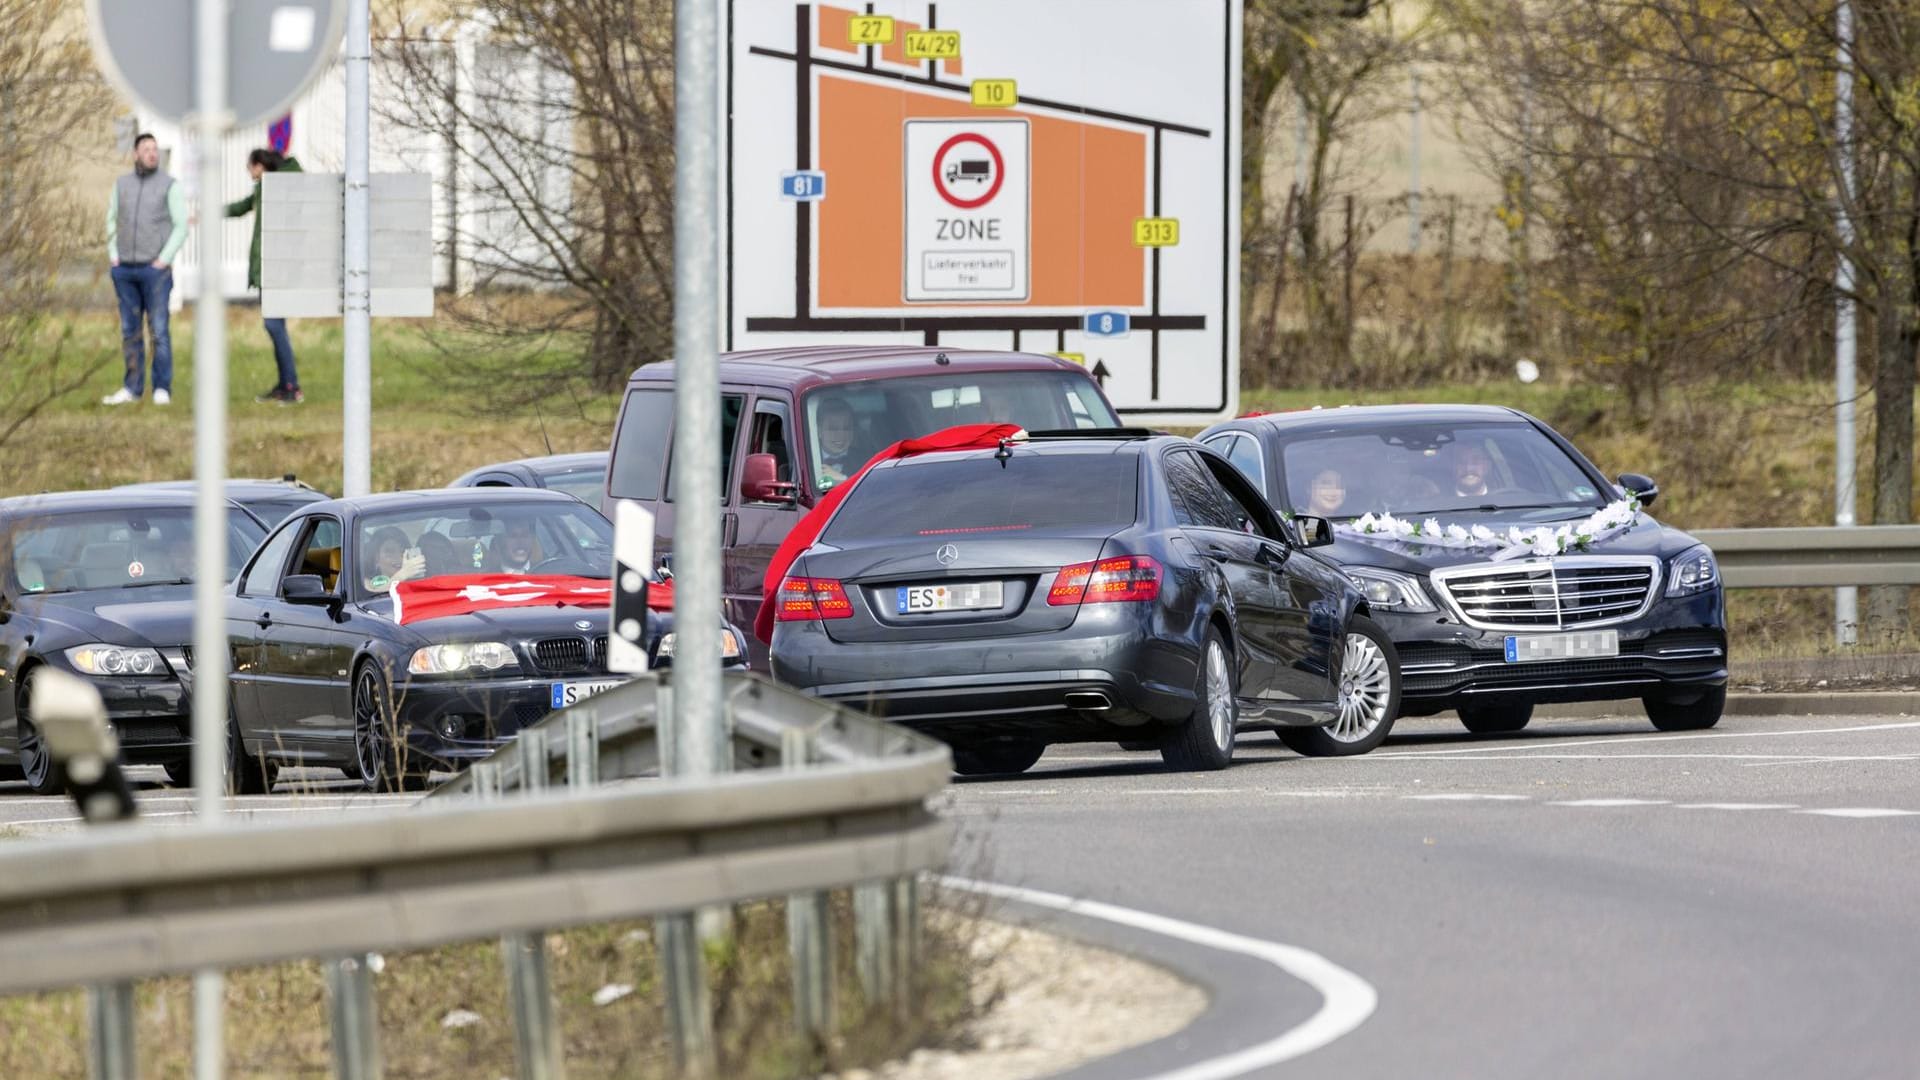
(1508, 569)
(1079, 586)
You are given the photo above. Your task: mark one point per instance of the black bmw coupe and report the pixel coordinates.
(1509, 570)
(99, 585)
(329, 670)
(1118, 586)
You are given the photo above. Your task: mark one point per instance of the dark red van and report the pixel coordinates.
(797, 421)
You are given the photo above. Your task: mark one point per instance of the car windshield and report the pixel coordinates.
(980, 494)
(1417, 469)
(849, 423)
(115, 549)
(585, 485)
(275, 511)
(485, 536)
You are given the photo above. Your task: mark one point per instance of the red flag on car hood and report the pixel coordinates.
(807, 530)
(462, 594)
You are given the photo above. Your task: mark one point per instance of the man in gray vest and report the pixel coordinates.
(146, 226)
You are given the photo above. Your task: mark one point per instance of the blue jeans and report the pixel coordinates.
(143, 290)
(282, 353)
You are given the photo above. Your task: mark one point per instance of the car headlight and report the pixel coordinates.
(1390, 590)
(115, 660)
(1693, 571)
(465, 656)
(729, 646)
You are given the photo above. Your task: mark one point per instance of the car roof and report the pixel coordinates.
(813, 364)
(1052, 447)
(428, 498)
(549, 463)
(1370, 416)
(237, 487)
(110, 499)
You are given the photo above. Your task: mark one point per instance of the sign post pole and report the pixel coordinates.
(356, 431)
(210, 504)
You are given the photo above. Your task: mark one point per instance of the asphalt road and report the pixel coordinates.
(1589, 898)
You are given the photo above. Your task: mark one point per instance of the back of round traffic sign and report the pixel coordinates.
(275, 49)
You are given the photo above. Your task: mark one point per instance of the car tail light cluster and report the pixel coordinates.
(1133, 577)
(805, 598)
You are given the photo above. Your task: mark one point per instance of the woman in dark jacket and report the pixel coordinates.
(287, 390)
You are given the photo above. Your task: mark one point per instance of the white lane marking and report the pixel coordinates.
(1346, 999)
(1860, 812)
(1765, 759)
(241, 812)
(1609, 802)
(1184, 791)
(1465, 796)
(1736, 806)
(1625, 740)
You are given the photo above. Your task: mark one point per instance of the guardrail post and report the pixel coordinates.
(486, 779)
(356, 1025)
(583, 750)
(110, 1009)
(886, 929)
(536, 1035)
(689, 1009)
(809, 924)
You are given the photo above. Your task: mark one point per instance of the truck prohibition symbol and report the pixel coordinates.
(975, 170)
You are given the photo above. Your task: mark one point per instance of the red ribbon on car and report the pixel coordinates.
(808, 529)
(462, 594)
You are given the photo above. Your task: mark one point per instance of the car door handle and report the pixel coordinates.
(1273, 556)
(1220, 551)
(264, 619)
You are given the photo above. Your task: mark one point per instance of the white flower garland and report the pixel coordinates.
(1515, 542)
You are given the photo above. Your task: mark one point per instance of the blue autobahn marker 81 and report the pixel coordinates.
(807, 185)
(1107, 324)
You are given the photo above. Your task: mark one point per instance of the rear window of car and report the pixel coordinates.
(956, 496)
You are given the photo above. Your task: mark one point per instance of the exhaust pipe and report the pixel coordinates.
(1088, 701)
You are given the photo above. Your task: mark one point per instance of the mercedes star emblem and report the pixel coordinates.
(947, 555)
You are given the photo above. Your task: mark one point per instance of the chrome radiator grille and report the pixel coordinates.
(1548, 594)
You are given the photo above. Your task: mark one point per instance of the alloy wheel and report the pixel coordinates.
(1366, 685)
(36, 764)
(369, 729)
(1219, 696)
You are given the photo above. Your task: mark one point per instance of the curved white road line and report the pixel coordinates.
(1347, 999)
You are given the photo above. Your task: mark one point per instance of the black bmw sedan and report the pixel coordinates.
(1078, 587)
(1510, 571)
(100, 585)
(389, 635)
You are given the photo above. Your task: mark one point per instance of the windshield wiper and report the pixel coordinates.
(146, 584)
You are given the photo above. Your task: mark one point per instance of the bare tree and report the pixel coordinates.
(558, 119)
(48, 89)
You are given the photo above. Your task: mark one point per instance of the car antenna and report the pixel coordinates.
(542, 417)
(1005, 452)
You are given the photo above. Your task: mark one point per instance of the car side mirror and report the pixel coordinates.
(1312, 531)
(1640, 487)
(305, 589)
(760, 481)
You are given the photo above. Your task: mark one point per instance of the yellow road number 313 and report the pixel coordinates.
(1156, 231)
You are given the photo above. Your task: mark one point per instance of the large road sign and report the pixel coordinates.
(1059, 177)
(274, 50)
(302, 255)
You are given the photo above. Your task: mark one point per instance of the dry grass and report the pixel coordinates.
(277, 1016)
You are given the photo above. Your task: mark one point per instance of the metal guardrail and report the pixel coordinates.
(1815, 557)
(828, 798)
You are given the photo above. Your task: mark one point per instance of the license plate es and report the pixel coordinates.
(1525, 648)
(572, 693)
(964, 596)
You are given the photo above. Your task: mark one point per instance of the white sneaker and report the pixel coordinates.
(118, 397)
(161, 397)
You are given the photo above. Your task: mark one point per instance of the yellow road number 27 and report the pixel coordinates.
(933, 44)
(1156, 232)
(995, 94)
(870, 30)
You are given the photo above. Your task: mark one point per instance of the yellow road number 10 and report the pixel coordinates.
(1156, 231)
(870, 30)
(995, 94)
(933, 44)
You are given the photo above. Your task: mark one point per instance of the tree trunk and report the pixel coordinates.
(1893, 382)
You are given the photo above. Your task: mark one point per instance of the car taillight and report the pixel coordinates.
(804, 598)
(1134, 577)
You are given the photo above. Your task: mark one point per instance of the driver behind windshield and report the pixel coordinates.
(837, 428)
(1328, 494)
(1471, 466)
(390, 559)
(514, 551)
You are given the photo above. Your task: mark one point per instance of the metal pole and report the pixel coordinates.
(809, 923)
(356, 455)
(1846, 599)
(356, 1024)
(210, 503)
(1413, 168)
(110, 1006)
(696, 346)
